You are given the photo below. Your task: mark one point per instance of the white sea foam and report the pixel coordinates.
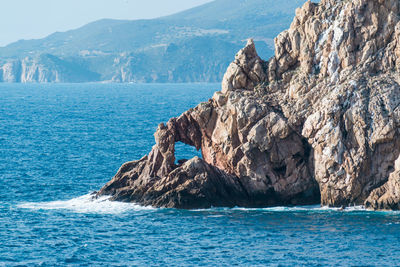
(307, 209)
(86, 204)
(313, 208)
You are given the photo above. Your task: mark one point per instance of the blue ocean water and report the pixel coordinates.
(60, 142)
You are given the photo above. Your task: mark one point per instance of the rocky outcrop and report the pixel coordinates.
(195, 184)
(251, 154)
(387, 196)
(343, 92)
(247, 71)
(317, 123)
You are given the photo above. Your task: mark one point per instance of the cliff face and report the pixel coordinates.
(317, 123)
(10, 72)
(44, 69)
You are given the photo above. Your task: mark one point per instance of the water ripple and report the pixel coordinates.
(65, 140)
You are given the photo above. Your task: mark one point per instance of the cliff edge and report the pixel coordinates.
(317, 123)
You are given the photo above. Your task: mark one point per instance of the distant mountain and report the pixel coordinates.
(191, 46)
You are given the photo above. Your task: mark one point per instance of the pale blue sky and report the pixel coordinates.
(29, 19)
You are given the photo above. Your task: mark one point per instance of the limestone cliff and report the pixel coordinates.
(44, 68)
(317, 123)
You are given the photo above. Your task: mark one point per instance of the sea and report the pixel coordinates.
(61, 142)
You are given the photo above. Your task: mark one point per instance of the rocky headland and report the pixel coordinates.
(316, 123)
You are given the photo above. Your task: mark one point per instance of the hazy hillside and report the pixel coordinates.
(192, 46)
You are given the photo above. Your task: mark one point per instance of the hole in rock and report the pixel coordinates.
(307, 149)
(390, 169)
(298, 158)
(281, 170)
(185, 152)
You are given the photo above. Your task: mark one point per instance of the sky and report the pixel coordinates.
(32, 19)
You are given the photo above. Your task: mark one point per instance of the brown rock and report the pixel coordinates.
(246, 71)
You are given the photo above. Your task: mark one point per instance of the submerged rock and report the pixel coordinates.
(317, 123)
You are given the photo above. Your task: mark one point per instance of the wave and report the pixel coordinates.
(317, 208)
(301, 209)
(306, 208)
(86, 204)
(103, 205)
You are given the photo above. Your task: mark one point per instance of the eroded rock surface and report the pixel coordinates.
(247, 71)
(317, 123)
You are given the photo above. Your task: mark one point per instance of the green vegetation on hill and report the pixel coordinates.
(192, 46)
